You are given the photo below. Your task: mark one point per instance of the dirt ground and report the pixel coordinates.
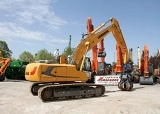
(15, 98)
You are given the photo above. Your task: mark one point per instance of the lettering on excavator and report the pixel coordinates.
(101, 35)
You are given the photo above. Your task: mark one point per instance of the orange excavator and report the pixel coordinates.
(98, 67)
(156, 66)
(118, 67)
(4, 62)
(119, 63)
(124, 68)
(106, 68)
(146, 69)
(94, 64)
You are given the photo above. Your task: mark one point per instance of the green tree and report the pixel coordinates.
(68, 50)
(44, 55)
(5, 51)
(26, 56)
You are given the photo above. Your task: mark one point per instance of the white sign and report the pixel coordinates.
(107, 80)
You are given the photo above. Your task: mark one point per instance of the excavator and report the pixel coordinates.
(124, 69)
(157, 74)
(55, 81)
(103, 67)
(155, 60)
(98, 67)
(146, 69)
(99, 73)
(118, 67)
(119, 63)
(4, 62)
(94, 63)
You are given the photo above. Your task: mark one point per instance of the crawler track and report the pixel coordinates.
(52, 92)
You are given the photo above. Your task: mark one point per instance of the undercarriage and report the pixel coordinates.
(51, 92)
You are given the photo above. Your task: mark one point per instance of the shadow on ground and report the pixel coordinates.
(72, 99)
(13, 80)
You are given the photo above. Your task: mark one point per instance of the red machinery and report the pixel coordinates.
(146, 70)
(103, 68)
(119, 62)
(98, 67)
(90, 28)
(4, 64)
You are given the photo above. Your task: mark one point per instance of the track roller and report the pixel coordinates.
(45, 93)
(70, 91)
(34, 89)
(146, 80)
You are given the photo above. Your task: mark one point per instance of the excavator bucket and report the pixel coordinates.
(146, 80)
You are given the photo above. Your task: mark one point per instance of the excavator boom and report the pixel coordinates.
(119, 63)
(95, 37)
(94, 64)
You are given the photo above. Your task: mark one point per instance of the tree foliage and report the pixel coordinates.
(26, 56)
(44, 55)
(5, 51)
(154, 60)
(68, 51)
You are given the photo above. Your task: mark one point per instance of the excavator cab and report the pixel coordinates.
(102, 54)
(101, 68)
(104, 68)
(87, 64)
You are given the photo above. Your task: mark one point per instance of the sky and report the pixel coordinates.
(32, 25)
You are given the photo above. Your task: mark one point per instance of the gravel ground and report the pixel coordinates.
(15, 98)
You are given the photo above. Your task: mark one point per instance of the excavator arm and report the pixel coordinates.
(144, 62)
(96, 36)
(94, 64)
(119, 62)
